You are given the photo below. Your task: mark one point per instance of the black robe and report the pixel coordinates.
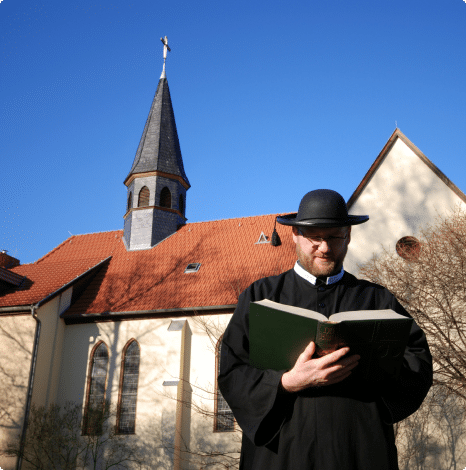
(346, 426)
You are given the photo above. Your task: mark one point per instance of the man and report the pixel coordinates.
(316, 416)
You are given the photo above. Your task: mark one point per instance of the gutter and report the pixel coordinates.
(30, 386)
(74, 318)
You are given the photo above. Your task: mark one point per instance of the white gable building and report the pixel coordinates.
(402, 192)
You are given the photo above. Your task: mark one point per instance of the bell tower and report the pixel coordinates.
(156, 184)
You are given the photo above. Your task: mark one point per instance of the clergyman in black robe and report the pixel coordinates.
(316, 416)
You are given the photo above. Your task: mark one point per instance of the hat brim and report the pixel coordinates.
(290, 219)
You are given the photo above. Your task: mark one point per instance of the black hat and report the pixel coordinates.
(322, 208)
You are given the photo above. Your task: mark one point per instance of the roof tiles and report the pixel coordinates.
(154, 279)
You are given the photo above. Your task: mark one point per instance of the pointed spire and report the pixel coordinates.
(159, 147)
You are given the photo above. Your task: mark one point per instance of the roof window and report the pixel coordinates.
(192, 268)
(262, 239)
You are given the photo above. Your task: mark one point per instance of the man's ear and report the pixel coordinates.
(295, 234)
(349, 234)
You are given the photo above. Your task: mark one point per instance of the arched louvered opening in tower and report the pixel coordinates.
(165, 198)
(181, 204)
(129, 203)
(144, 194)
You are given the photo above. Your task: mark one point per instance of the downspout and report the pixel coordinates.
(30, 386)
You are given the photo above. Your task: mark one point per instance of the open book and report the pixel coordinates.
(279, 333)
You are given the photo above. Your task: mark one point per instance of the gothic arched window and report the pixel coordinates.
(165, 198)
(224, 420)
(181, 204)
(143, 200)
(126, 414)
(97, 385)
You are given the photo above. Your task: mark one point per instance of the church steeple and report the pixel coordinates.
(157, 182)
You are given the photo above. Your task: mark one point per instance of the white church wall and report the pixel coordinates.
(207, 329)
(402, 196)
(16, 344)
(160, 363)
(49, 354)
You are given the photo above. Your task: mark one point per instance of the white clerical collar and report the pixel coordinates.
(312, 279)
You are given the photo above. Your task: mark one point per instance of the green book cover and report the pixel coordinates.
(279, 333)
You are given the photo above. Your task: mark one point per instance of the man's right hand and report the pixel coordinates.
(327, 370)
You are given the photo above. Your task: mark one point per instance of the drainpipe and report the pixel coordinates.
(30, 386)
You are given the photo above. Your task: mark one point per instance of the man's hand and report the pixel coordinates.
(327, 370)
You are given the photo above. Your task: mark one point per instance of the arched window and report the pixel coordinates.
(129, 203)
(126, 414)
(224, 420)
(165, 198)
(97, 384)
(143, 200)
(181, 204)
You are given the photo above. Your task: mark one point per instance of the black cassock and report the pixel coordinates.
(346, 426)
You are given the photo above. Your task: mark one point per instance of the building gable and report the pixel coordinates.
(402, 192)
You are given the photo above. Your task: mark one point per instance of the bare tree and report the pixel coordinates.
(433, 437)
(54, 441)
(427, 274)
(428, 277)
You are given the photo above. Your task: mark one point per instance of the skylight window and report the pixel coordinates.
(192, 268)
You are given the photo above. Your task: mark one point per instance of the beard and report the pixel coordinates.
(321, 266)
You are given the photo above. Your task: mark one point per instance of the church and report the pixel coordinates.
(134, 316)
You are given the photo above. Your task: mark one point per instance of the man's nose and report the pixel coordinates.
(324, 247)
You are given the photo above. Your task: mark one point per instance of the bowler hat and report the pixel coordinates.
(322, 208)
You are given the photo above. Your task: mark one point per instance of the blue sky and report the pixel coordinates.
(271, 99)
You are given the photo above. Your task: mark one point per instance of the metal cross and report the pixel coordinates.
(166, 48)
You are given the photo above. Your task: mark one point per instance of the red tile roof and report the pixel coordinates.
(10, 277)
(150, 280)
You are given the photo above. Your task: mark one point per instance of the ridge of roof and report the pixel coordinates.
(95, 233)
(397, 134)
(238, 218)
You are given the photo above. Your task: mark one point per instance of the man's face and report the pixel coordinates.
(324, 258)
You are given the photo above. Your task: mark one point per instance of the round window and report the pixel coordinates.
(408, 248)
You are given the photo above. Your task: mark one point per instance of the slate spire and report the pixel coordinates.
(159, 147)
(157, 182)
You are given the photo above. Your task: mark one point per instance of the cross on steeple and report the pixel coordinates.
(166, 48)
